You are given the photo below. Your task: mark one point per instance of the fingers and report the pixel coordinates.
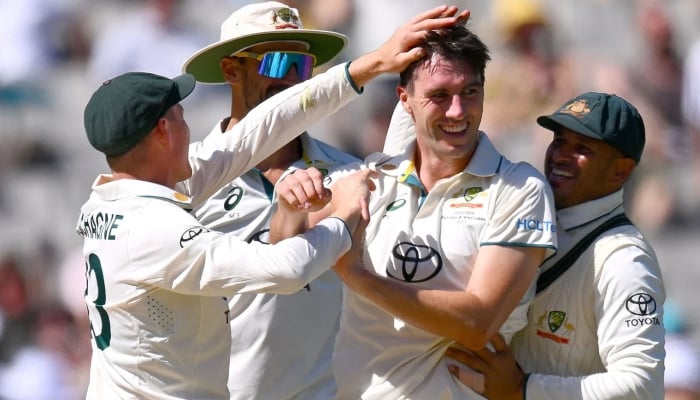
(303, 189)
(437, 12)
(465, 357)
(499, 343)
(464, 16)
(433, 19)
(474, 380)
(364, 208)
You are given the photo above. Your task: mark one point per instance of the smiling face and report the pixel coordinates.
(446, 101)
(580, 168)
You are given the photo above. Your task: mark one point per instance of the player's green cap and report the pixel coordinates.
(602, 116)
(124, 109)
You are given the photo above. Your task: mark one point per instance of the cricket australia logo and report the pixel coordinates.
(464, 198)
(287, 15)
(471, 193)
(556, 320)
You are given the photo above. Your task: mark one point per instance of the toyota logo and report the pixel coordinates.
(191, 234)
(641, 304)
(415, 262)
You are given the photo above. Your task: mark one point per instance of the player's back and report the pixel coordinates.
(153, 335)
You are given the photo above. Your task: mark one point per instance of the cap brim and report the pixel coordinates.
(185, 84)
(555, 121)
(204, 64)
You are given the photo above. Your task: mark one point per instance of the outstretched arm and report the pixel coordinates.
(471, 316)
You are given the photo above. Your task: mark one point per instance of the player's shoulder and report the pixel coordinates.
(333, 153)
(626, 236)
(522, 173)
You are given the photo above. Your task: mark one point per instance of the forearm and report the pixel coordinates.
(450, 314)
(604, 386)
(282, 268)
(221, 158)
(365, 68)
(287, 223)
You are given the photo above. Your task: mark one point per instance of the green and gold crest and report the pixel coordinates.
(555, 320)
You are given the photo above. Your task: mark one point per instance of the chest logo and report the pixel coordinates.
(396, 204)
(556, 320)
(234, 197)
(414, 263)
(471, 193)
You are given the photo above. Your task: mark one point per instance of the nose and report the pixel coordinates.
(456, 108)
(292, 76)
(558, 153)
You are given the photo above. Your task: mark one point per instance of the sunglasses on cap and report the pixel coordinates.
(276, 64)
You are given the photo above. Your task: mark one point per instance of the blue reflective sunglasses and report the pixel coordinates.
(276, 64)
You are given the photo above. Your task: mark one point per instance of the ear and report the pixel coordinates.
(232, 69)
(403, 98)
(622, 169)
(160, 134)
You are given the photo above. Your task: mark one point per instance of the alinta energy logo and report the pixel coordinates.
(415, 263)
(643, 307)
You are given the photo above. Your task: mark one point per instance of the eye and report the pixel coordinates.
(583, 149)
(471, 91)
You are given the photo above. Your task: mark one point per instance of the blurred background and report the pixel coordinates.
(55, 53)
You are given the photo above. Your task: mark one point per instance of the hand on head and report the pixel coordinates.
(400, 50)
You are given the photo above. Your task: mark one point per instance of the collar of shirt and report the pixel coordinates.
(109, 190)
(590, 211)
(486, 161)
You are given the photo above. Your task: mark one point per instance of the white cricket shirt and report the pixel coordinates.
(281, 345)
(432, 240)
(157, 280)
(596, 332)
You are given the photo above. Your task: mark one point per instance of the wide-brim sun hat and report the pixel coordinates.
(261, 23)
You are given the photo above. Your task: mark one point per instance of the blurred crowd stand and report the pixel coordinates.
(53, 54)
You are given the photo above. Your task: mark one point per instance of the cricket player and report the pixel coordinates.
(595, 328)
(157, 280)
(455, 237)
(281, 345)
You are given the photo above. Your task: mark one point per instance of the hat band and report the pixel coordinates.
(276, 64)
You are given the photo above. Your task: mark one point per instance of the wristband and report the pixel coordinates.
(352, 82)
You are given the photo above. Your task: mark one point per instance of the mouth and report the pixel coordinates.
(561, 173)
(557, 177)
(455, 128)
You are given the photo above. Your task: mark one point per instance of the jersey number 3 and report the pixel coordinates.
(95, 280)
